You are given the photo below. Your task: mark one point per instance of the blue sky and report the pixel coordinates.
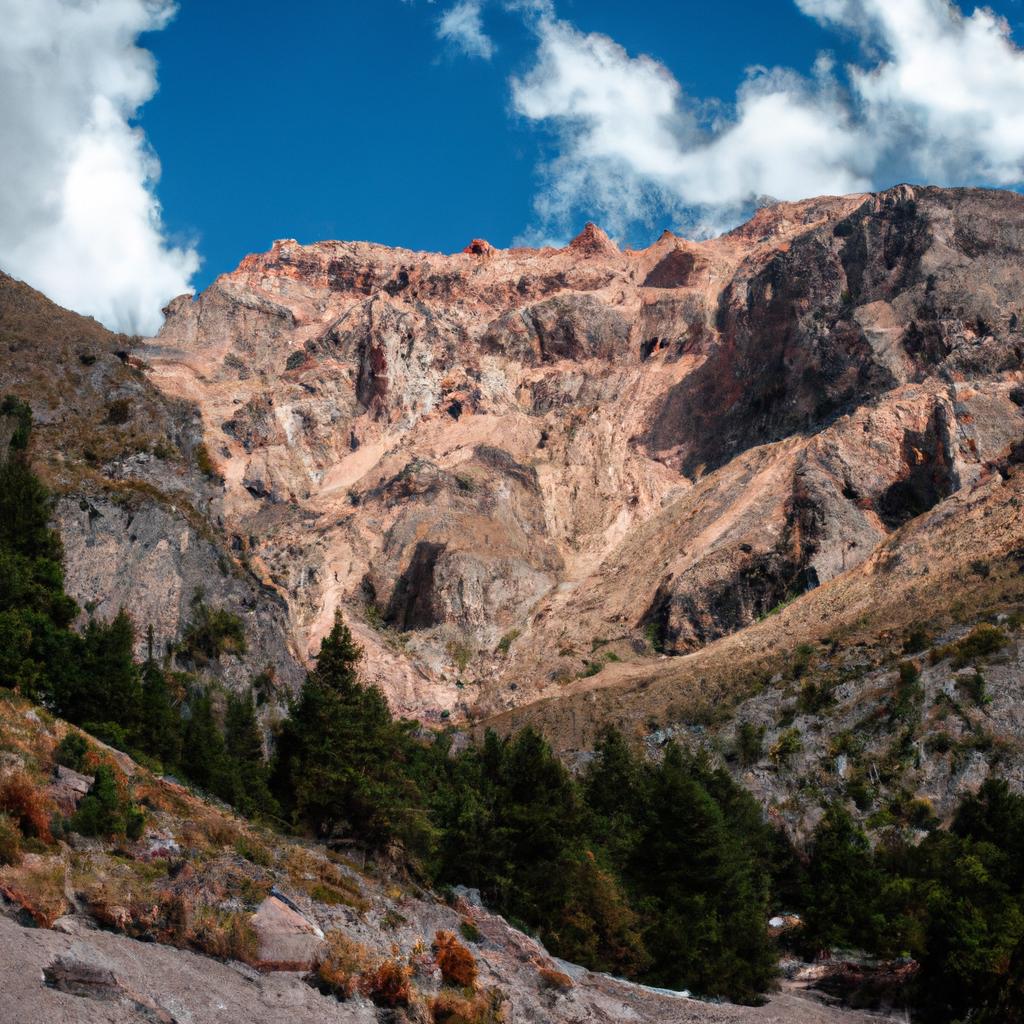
(148, 145)
(353, 121)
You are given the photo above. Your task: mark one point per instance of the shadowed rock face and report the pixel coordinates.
(501, 463)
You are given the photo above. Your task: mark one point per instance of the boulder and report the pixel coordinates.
(68, 788)
(287, 940)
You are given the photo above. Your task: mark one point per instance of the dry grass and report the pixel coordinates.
(341, 965)
(188, 923)
(26, 804)
(389, 983)
(37, 887)
(457, 964)
(323, 880)
(550, 978)
(346, 969)
(482, 1008)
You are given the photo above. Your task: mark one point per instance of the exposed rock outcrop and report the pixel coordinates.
(497, 459)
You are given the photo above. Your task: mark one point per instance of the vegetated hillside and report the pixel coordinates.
(514, 469)
(195, 878)
(661, 870)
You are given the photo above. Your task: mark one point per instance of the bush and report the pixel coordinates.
(104, 812)
(749, 743)
(558, 980)
(505, 643)
(469, 931)
(482, 1008)
(205, 465)
(982, 641)
(211, 633)
(119, 412)
(23, 802)
(340, 965)
(228, 935)
(974, 687)
(388, 984)
(788, 744)
(458, 967)
(71, 751)
(10, 841)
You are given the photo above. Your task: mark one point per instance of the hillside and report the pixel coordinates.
(235, 921)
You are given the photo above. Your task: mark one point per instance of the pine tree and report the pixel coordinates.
(107, 689)
(614, 794)
(343, 759)
(244, 748)
(705, 896)
(38, 652)
(204, 760)
(841, 884)
(159, 728)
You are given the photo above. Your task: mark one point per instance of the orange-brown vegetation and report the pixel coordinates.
(482, 1008)
(458, 967)
(24, 802)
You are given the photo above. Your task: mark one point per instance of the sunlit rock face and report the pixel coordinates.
(498, 462)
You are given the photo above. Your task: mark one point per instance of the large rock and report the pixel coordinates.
(287, 941)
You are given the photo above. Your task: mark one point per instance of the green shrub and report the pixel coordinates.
(974, 686)
(295, 360)
(211, 633)
(981, 642)
(105, 812)
(71, 751)
(749, 743)
(654, 633)
(506, 641)
(788, 744)
(205, 465)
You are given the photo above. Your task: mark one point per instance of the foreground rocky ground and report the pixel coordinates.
(154, 983)
(206, 918)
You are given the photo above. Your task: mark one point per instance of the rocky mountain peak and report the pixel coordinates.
(493, 465)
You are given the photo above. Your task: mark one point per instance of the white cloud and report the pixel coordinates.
(463, 26)
(78, 216)
(937, 97)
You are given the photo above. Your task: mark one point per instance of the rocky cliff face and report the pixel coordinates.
(136, 511)
(528, 473)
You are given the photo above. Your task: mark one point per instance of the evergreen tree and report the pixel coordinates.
(344, 760)
(159, 728)
(704, 895)
(107, 688)
(38, 652)
(244, 748)
(841, 885)
(613, 789)
(204, 759)
(104, 812)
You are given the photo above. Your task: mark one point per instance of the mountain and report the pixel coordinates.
(759, 494)
(508, 466)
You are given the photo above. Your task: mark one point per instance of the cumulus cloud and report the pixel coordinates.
(937, 96)
(78, 215)
(463, 26)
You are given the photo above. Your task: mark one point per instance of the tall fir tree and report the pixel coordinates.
(343, 759)
(243, 743)
(204, 759)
